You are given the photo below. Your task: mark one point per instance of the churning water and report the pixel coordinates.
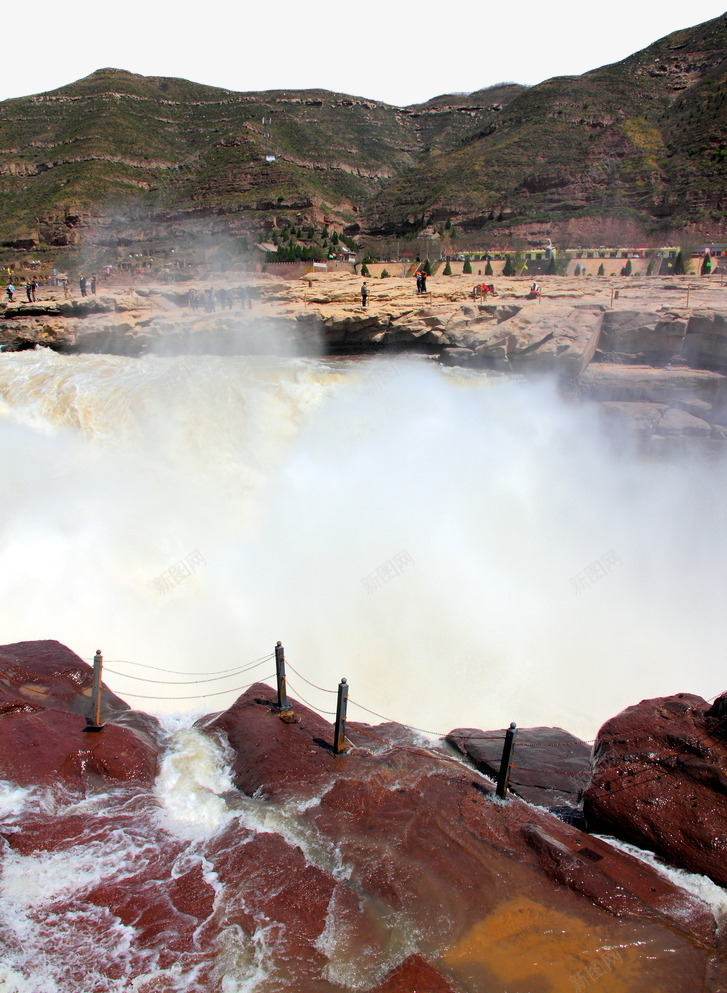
(466, 550)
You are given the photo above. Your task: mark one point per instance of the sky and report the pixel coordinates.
(399, 53)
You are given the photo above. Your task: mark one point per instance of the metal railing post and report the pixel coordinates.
(280, 675)
(506, 761)
(93, 723)
(339, 736)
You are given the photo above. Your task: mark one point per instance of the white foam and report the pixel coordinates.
(702, 887)
(194, 773)
(12, 799)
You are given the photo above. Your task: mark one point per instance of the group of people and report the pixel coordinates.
(84, 284)
(31, 286)
(209, 299)
(421, 286)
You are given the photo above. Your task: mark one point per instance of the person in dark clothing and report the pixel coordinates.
(364, 294)
(82, 285)
(424, 282)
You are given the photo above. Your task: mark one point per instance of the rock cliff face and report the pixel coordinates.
(389, 868)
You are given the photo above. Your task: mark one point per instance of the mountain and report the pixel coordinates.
(115, 146)
(642, 143)
(634, 150)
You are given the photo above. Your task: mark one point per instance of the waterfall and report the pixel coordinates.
(466, 549)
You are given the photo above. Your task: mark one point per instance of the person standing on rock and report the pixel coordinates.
(93, 283)
(82, 285)
(419, 281)
(34, 289)
(364, 294)
(424, 281)
(29, 291)
(10, 291)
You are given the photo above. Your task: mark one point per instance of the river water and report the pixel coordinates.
(467, 550)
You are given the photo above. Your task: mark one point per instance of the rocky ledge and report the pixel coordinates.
(389, 868)
(629, 345)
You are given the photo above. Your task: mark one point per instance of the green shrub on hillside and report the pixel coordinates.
(385, 274)
(509, 269)
(601, 270)
(467, 267)
(447, 271)
(365, 269)
(488, 269)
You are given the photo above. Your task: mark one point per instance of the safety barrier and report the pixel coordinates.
(284, 708)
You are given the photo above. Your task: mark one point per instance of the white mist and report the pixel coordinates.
(294, 485)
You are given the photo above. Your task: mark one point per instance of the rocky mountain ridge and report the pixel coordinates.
(636, 148)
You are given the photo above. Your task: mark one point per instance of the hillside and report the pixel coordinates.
(642, 142)
(637, 149)
(128, 148)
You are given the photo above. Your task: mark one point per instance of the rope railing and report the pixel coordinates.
(187, 682)
(284, 707)
(200, 696)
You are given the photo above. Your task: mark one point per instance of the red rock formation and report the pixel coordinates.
(45, 695)
(390, 868)
(659, 781)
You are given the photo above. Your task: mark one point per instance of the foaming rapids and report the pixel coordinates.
(466, 550)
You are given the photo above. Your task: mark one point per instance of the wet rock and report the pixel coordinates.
(415, 973)
(390, 868)
(659, 782)
(551, 767)
(50, 747)
(45, 703)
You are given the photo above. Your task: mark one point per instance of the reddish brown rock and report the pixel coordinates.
(424, 849)
(50, 747)
(550, 766)
(45, 703)
(390, 868)
(659, 781)
(415, 973)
